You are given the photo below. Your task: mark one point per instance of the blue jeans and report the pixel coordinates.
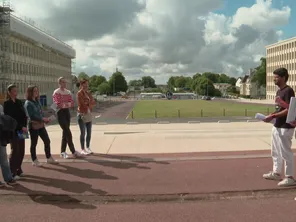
(83, 126)
(6, 173)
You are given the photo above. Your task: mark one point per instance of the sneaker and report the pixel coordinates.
(36, 163)
(12, 182)
(89, 150)
(271, 176)
(51, 160)
(2, 184)
(287, 182)
(21, 175)
(16, 177)
(64, 155)
(76, 155)
(84, 152)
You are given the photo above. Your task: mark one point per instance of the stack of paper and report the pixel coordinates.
(292, 111)
(261, 117)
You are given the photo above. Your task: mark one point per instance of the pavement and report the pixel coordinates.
(155, 172)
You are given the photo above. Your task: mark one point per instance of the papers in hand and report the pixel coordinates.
(292, 111)
(52, 118)
(261, 117)
(54, 107)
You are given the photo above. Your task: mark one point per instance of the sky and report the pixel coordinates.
(164, 38)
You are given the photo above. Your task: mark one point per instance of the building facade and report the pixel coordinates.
(281, 54)
(29, 56)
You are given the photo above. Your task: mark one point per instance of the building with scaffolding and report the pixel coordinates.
(31, 56)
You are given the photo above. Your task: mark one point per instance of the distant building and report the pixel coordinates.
(222, 87)
(239, 83)
(250, 88)
(280, 54)
(30, 56)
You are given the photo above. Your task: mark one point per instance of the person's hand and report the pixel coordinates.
(268, 118)
(46, 120)
(293, 123)
(24, 129)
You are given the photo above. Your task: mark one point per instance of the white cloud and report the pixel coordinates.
(168, 37)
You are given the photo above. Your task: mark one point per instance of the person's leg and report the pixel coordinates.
(287, 154)
(88, 136)
(6, 173)
(21, 145)
(68, 132)
(81, 125)
(276, 156)
(14, 156)
(34, 141)
(45, 138)
(61, 121)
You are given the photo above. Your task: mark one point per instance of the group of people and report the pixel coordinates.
(29, 119)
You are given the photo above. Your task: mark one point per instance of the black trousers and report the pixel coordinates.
(16, 156)
(34, 140)
(64, 119)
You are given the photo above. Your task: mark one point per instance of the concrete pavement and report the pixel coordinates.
(168, 138)
(270, 210)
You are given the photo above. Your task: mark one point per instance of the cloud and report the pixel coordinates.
(163, 38)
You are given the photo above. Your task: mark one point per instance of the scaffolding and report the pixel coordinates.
(5, 46)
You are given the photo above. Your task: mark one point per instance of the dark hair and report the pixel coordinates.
(30, 93)
(282, 72)
(83, 81)
(78, 84)
(9, 88)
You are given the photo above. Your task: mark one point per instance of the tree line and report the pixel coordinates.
(200, 83)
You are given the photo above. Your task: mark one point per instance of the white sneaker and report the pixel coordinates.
(271, 176)
(16, 177)
(64, 155)
(51, 160)
(36, 163)
(76, 155)
(287, 182)
(84, 152)
(89, 150)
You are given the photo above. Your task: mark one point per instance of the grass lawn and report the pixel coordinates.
(197, 108)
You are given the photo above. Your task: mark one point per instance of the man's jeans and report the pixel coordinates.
(6, 173)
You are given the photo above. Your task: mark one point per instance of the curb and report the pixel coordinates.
(42, 197)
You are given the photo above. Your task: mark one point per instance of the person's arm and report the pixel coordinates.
(282, 103)
(31, 112)
(80, 101)
(57, 99)
(6, 108)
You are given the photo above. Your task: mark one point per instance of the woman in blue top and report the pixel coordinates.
(37, 125)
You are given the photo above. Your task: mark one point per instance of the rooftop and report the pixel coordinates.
(281, 42)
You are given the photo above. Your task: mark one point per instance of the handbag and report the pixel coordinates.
(86, 118)
(36, 125)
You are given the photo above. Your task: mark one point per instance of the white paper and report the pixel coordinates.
(292, 111)
(261, 117)
(52, 118)
(54, 107)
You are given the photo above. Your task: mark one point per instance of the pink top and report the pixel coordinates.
(63, 98)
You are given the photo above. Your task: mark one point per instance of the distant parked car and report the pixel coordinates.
(206, 98)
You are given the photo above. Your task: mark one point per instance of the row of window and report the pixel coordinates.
(282, 57)
(31, 51)
(290, 66)
(282, 47)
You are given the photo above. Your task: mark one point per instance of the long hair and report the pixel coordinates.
(9, 88)
(30, 93)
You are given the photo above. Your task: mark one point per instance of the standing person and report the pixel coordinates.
(63, 101)
(14, 107)
(282, 133)
(85, 105)
(37, 125)
(5, 138)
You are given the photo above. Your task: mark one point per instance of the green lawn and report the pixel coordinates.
(196, 108)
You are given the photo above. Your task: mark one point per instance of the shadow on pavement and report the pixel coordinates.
(83, 173)
(133, 159)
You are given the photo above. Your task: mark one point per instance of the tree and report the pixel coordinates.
(180, 81)
(104, 88)
(232, 89)
(212, 76)
(232, 81)
(83, 75)
(260, 75)
(148, 82)
(95, 81)
(136, 82)
(203, 86)
(117, 82)
(171, 82)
